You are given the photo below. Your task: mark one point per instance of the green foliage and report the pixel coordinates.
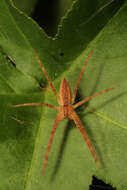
(22, 146)
(26, 6)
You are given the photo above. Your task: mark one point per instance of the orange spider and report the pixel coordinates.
(66, 109)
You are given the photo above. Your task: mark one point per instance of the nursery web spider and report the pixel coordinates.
(66, 109)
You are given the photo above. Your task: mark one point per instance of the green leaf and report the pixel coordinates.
(81, 24)
(25, 131)
(64, 5)
(26, 6)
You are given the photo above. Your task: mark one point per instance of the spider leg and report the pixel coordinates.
(36, 104)
(93, 96)
(80, 127)
(57, 120)
(79, 78)
(47, 77)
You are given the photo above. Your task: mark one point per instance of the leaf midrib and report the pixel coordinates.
(110, 120)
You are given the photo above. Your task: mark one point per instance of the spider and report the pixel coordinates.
(66, 109)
